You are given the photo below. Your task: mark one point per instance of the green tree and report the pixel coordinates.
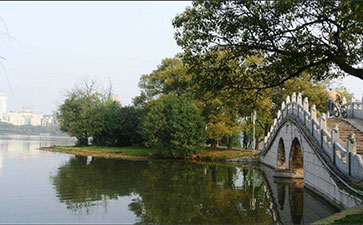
(218, 109)
(78, 117)
(121, 125)
(174, 126)
(171, 76)
(323, 38)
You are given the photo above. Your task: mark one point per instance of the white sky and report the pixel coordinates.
(58, 43)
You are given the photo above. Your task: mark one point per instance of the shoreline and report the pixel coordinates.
(343, 216)
(143, 153)
(95, 154)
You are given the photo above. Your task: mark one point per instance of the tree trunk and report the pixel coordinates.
(229, 142)
(213, 144)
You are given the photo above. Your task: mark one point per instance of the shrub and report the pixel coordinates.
(120, 125)
(174, 126)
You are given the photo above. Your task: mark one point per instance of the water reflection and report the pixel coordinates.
(181, 192)
(24, 147)
(142, 191)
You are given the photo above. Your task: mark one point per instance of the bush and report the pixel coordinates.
(77, 116)
(174, 126)
(121, 125)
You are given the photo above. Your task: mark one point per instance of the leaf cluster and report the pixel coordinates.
(174, 126)
(323, 38)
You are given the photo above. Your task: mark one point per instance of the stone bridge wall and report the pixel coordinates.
(316, 176)
(345, 159)
(321, 151)
(354, 108)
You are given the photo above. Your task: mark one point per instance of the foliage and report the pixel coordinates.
(171, 76)
(174, 126)
(87, 113)
(228, 111)
(220, 154)
(350, 219)
(78, 116)
(323, 38)
(121, 125)
(218, 109)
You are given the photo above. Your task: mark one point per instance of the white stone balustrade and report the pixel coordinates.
(354, 108)
(346, 160)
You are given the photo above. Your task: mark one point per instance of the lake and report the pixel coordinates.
(50, 187)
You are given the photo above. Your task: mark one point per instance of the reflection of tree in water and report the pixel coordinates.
(168, 192)
(187, 193)
(81, 185)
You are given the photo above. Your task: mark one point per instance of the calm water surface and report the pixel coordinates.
(47, 187)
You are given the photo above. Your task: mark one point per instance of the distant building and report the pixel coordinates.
(3, 106)
(26, 117)
(48, 120)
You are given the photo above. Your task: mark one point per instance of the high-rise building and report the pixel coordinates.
(3, 105)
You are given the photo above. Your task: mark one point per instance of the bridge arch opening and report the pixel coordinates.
(281, 157)
(296, 157)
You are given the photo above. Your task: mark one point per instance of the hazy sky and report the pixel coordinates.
(57, 43)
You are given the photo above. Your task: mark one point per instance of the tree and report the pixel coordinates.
(77, 115)
(81, 114)
(174, 126)
(322, 37)
(171, 76)
(220, 109)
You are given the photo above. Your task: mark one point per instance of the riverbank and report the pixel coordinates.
(349, 216)
(132, 152)
(138, 152)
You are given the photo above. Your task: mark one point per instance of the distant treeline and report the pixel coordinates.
(53, 130)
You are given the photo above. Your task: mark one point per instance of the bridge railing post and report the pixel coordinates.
(298, 110)
(351, 107)
(299, 98)
(293, 97)
(352, 150)
(287, 104)
(323, 121)
(293, 105)
(306, 104)
(313, 118)
(334, 138)
(283, 106)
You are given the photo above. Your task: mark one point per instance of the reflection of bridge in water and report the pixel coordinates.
(292, 203)
(299, 145)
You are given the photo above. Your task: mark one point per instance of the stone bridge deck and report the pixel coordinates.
(347, 127)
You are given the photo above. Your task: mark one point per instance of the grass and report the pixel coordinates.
(138, 152)
(104, 151)
(350, 219)
(220, 154)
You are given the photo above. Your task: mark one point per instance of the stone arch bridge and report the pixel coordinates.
(326, 153)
